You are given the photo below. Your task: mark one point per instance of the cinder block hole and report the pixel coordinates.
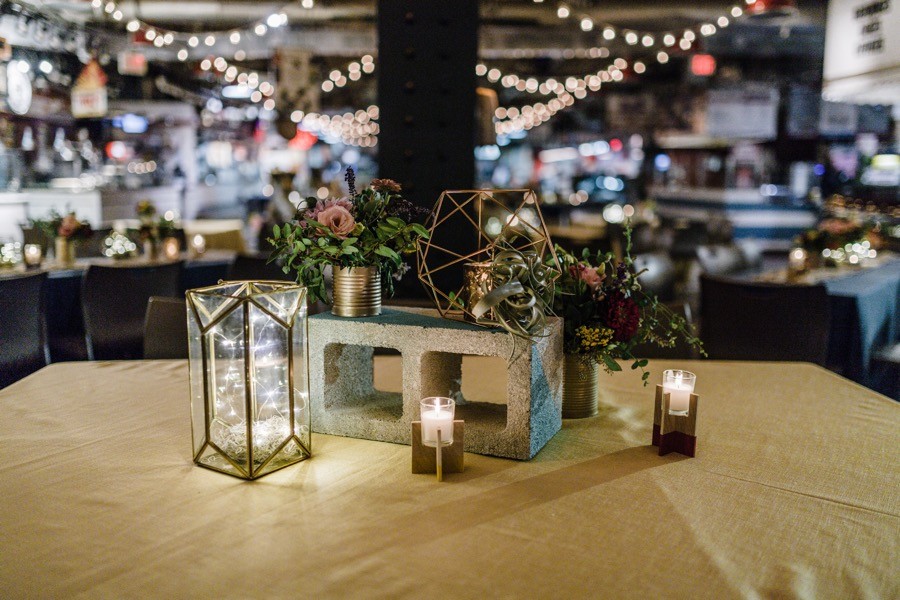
(481, 395)
(353, 385)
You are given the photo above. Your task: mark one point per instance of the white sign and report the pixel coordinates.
(862, 50)
(88, 103)
(743, 113)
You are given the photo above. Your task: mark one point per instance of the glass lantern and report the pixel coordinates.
(249, 376)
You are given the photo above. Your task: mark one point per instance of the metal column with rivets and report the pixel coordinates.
(427, 51)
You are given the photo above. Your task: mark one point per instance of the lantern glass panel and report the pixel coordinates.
(254, 413)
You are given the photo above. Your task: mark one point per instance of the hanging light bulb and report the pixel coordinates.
(235, 37)
(586, 24)
(193, 41)
(133, 25)
(563, 11)
(182, 55)
(210, 40)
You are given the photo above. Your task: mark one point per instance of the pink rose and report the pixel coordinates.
(322, 206)
(338, 219)
(68, 226)
(586, 274)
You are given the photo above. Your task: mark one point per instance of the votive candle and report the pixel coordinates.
(171, 248)
(33, 255)
(679, 385)
(437, 415)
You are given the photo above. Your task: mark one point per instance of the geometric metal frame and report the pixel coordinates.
(464, 202)
(242, 298)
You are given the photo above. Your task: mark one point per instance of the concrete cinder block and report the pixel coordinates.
(344, 401)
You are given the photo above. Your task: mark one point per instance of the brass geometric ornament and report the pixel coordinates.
(468, 230)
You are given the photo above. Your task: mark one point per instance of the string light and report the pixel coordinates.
(647, 39)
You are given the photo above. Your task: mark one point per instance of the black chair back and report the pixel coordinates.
(114, 300)
(94, 246)
(659, 275)
(759, 321)
(165, 328)
(22, 339)
(256, 268)
(720, 259)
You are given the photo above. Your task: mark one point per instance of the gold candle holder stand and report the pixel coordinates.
(674, 432)
(440, 460)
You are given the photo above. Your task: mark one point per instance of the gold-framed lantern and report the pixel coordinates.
(249, 372)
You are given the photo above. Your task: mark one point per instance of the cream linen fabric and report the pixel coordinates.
(793, 493)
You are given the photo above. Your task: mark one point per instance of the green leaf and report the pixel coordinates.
(350, 250)
(420, 230)
(349, 242)
(387, 253)
(611, 363)
(276, 232)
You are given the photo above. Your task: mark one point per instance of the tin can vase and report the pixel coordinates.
(65, 251)
(356, 292)
(581, 383)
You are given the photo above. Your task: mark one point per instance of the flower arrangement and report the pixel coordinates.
(373, 227)
(831, 234)
(63, 226)
(607, 314)
(152, 228)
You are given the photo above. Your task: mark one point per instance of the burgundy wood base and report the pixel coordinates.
(676, 441)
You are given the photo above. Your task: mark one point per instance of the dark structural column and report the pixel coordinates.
(427, 51)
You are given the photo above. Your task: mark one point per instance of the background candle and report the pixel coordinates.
(171, 248)
(679, 385)
(32, 255)
(437, 414)
(198, 243)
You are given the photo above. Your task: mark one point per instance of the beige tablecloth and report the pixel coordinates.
(793, 493)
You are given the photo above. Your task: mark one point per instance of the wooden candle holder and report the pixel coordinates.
(674, 432)
(424, 458)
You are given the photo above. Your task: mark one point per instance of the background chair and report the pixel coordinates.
(22, 347)
(114, 300)
(718, 259)
(757, 321)
(165, 328)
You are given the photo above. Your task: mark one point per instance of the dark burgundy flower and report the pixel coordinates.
(622, 316)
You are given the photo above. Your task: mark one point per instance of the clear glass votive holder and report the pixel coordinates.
(33, 255)
(437, 414)
(679, 385)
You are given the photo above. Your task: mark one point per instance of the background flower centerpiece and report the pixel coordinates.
(363, 237)
(153, 228)
(606, 316)
(836, 239)
(65, 230)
